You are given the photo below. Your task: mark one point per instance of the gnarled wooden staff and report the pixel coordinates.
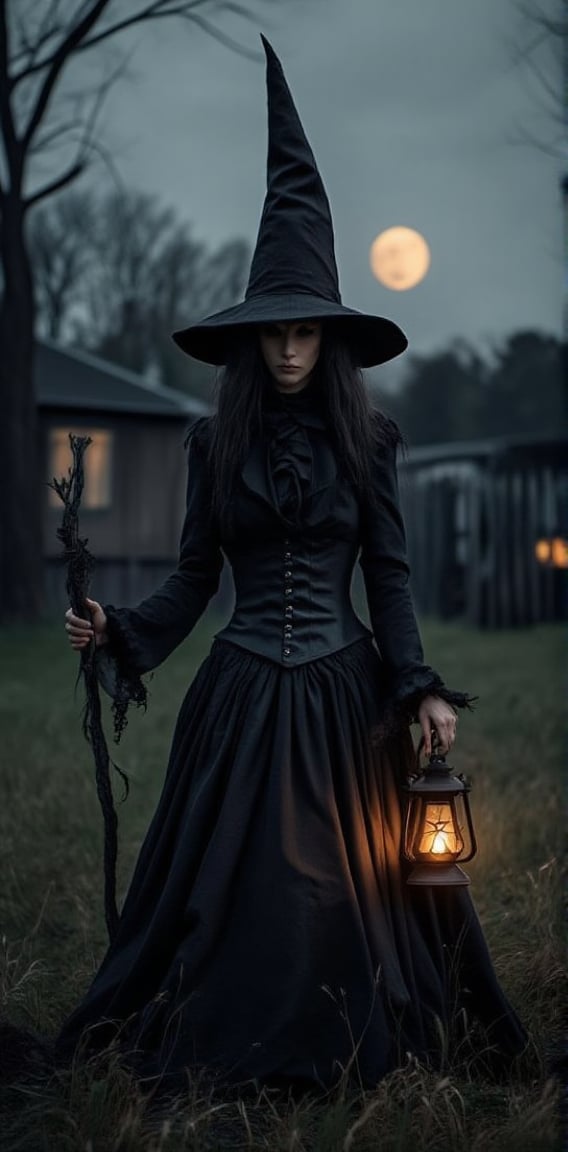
(80, 564)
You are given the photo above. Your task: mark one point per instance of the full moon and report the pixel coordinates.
(399, 258)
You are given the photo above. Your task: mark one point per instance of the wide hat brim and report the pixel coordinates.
(372, 339)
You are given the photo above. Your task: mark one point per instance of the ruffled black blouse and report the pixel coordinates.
(289, 458)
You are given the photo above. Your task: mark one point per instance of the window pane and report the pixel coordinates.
(96, 464)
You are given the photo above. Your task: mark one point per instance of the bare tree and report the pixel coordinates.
(191, 282)
(61, 240)
(39, 39)
(542, 50)
(116, 274)
(120, 294)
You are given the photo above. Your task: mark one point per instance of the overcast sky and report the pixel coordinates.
(418, 113)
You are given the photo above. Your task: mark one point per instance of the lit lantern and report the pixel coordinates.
(559, 552)
(542, 551)
(439, 829)
(552, 551)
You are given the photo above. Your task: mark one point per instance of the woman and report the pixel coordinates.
(268, 932)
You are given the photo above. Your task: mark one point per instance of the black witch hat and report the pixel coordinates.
(293, 274)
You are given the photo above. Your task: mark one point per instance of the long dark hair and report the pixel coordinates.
(358, 429)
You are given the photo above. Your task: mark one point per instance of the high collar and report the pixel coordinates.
(306, 406)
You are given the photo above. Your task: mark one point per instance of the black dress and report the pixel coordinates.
(268, 928)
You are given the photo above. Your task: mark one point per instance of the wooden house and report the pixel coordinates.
(135, 471)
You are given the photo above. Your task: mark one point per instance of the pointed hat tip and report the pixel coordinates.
(269, 50)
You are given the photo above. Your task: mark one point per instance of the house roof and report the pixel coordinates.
(66, 378)
(497, 450)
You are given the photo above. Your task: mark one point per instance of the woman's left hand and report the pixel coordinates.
(435, 714)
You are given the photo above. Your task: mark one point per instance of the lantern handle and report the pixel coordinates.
(433, 756)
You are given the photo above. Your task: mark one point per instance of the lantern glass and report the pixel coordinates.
(439, 833)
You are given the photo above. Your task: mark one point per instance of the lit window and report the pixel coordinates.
(96, 465)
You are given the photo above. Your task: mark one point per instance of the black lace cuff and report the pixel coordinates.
(117, 664)
(409, 697)
(401, 707)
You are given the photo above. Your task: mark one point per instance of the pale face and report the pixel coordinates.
(291, 352)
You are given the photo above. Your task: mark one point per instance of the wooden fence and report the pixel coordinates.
(476, 514)
(487, 524)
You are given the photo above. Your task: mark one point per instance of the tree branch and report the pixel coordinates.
(50, 137)
(109, 161)
(87, 124)
(186, 9)
(66, 49)
(85, 145)
(6, 118)
(55, 185)
(157, 10)
(145, 14)
(222, 38)
(46, 31)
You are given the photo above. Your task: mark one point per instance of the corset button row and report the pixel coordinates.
(288, 609)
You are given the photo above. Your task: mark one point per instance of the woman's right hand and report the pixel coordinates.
(82, 631)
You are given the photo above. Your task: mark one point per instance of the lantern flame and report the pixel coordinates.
(440, 843)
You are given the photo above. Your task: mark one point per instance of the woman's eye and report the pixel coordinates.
(304, 331)
(271, 330)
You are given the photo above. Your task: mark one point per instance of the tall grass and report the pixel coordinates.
(52, 933)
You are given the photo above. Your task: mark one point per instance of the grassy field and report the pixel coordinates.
(53, 935)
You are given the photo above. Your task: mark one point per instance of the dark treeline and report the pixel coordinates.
(457, 394)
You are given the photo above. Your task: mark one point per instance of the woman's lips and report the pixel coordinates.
(287, 368)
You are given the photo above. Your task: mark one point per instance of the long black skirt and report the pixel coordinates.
(268, 933)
